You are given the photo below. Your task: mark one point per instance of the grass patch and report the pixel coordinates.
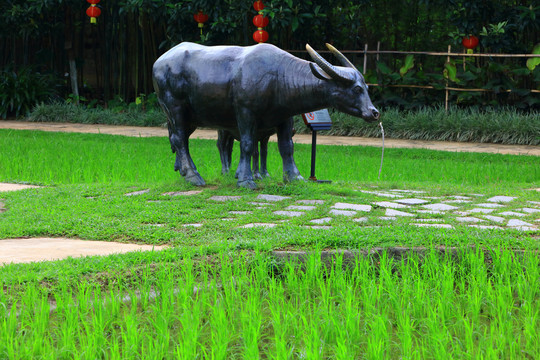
(51, 158)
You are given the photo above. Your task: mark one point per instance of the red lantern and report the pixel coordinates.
(201, 18)
(260, 21)
(93, 11)
(260, 36)
(470, 42)
(258, 5)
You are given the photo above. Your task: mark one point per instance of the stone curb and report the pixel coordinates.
(397, 254)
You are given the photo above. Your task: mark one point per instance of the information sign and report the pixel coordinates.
(318, 120)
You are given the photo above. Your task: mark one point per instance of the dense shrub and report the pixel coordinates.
(501, 126)
(21, 89)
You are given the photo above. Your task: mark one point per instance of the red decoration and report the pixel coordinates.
(258, 5)
(201, 18)
(260, 36)
(93, 11)
(470, 42)
(260, 21)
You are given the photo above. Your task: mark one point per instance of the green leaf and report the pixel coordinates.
(383, 68)
(450, 71)
(532, 63)
(408, 65)
(294, 24)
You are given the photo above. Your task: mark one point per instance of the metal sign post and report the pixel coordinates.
(316, 121)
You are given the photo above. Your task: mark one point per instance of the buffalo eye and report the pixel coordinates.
(358, 89)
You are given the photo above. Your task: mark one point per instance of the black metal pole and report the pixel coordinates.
(313, 154)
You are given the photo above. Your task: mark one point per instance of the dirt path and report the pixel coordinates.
(299, 138)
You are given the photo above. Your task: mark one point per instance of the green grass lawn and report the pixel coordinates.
(247, 305)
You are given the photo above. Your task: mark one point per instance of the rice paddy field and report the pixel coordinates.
(220, 291)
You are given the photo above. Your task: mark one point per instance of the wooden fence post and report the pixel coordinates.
(365, 58)
(446, 87)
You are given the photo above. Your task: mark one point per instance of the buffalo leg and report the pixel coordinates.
(225, 144)
(255, 162)
(263, 156)
(178, 117)
(286, 149)
(246, 126)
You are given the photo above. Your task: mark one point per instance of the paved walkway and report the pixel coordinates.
(298, 138)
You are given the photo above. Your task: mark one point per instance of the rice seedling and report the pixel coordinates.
(251, 306)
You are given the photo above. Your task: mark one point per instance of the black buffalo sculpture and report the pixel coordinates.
(248, 90)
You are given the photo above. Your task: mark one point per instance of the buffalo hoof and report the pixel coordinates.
(248, 184)
(195, 179)
(293, 178)
(257, 176)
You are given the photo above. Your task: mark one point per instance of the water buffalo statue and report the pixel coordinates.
(248, 90)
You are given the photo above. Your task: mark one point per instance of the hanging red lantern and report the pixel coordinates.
(470, 42)
(260, 21)
(260, 36)
(93, 11)
(201, 18)
(258, 5)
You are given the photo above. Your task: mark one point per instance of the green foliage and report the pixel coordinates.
(118, 113)
(21, 89)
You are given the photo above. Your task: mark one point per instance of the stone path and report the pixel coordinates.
(416, 208)
(298, 138)
(406, 207)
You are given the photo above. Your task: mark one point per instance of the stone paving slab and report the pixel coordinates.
(225, 198)
(412, 201)
(46, 249)
(182, 193)
(503, 199)
(356, 207)
(440, 207)
(272, 197)
(342, 212)
(392, 212)
(389, 204)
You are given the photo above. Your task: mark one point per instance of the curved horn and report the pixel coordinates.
(328, 68)
(342, 59)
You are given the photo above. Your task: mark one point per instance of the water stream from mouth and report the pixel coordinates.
(382, 154)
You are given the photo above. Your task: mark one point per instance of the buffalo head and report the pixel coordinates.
(349, 90)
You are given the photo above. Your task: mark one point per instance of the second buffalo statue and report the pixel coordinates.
(250, 90)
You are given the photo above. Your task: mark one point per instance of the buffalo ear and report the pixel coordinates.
(318, 72)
